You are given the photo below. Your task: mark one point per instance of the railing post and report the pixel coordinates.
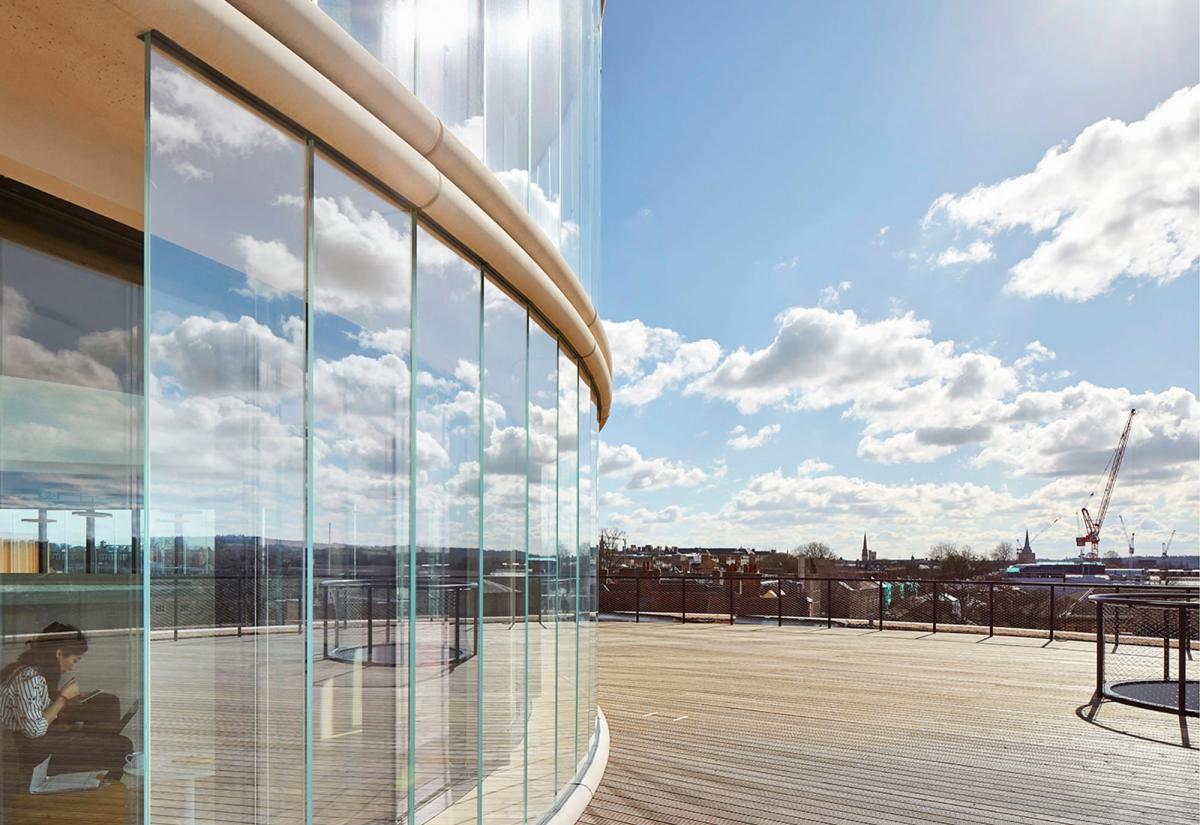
(935, 606)
(991, 608)
(371, 625)
(1166, 646)
(683, 597)
(1053, 613)
(458, 621)
(1099, 650)
(175, 607)
(730, 578)
(779, 601)
(324, 622)
(881, 604)
(1117, 622)
(637, 596)
(1183, 634)
(240, 611)
(828, 604)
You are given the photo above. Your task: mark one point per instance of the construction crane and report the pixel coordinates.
(1128, 535)
(1092, 536)
(1167, 544)
(1057, 519)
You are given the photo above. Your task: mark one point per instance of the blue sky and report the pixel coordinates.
(775, 255)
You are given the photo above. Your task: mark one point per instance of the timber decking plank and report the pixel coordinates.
(801, 725)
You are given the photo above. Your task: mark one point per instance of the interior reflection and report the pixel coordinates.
(70, 509)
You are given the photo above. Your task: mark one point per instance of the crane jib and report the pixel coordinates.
(1092, 536)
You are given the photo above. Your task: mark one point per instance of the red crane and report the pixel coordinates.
(1092, 536)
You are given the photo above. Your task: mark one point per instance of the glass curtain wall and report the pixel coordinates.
(369, 482)
(567, 590)
(542, 626)
(444, 638)
(226, 460)
(361, 357)
(505, 575)
(71, 396)
(518, 81)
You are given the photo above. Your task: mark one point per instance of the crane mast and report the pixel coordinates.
(1092, 536)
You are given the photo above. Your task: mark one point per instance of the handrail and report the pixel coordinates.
(957, 605)
(1138, 680)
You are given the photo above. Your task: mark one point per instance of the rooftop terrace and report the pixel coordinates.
(761, 725)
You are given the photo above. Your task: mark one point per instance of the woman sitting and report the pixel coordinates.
(45, 719)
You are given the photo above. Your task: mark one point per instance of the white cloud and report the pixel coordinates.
(977, 252)
(189, 114)
(1073, 432)
(190, 171)
(742, 440)
(812, 466)
(1120, 201)
(789, 263)
(821, 358)
(775, 509)
(625, 461)
(272, 270)
(648, 361)
(831, 296)
(246, 358)
(614, 499)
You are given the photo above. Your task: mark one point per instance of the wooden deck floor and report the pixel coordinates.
(753, 725)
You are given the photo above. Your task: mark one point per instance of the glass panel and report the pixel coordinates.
(570, 95)
(594, 566)
(592, 135)
(70, 501)
(507, 94)
(543, 568)
(588, 145)
(384, 27)
(587, 573)
(227, 456)
(450, 66)
(504, 582)
(446, 332)
(362, 254)
(545, 186)
(568, 549)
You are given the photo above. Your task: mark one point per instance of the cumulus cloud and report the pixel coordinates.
(1073, 432)
(206, 356)
(625, 461)
(812, 466)
(1122, 200)
(648, 361)
(86, 365)
(189, 114)
(781, 510)
(831, 296)
(821, 358)
(977, 252)
(742, 440)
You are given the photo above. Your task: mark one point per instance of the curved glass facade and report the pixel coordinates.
(377, 457)
(309, 488)
(518, 82)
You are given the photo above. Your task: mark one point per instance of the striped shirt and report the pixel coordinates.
(23, 698)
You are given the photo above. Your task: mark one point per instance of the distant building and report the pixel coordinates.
(1026, 556)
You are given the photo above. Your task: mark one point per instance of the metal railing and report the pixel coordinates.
(1053, 609)
(1133, 673)
(353, 607)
